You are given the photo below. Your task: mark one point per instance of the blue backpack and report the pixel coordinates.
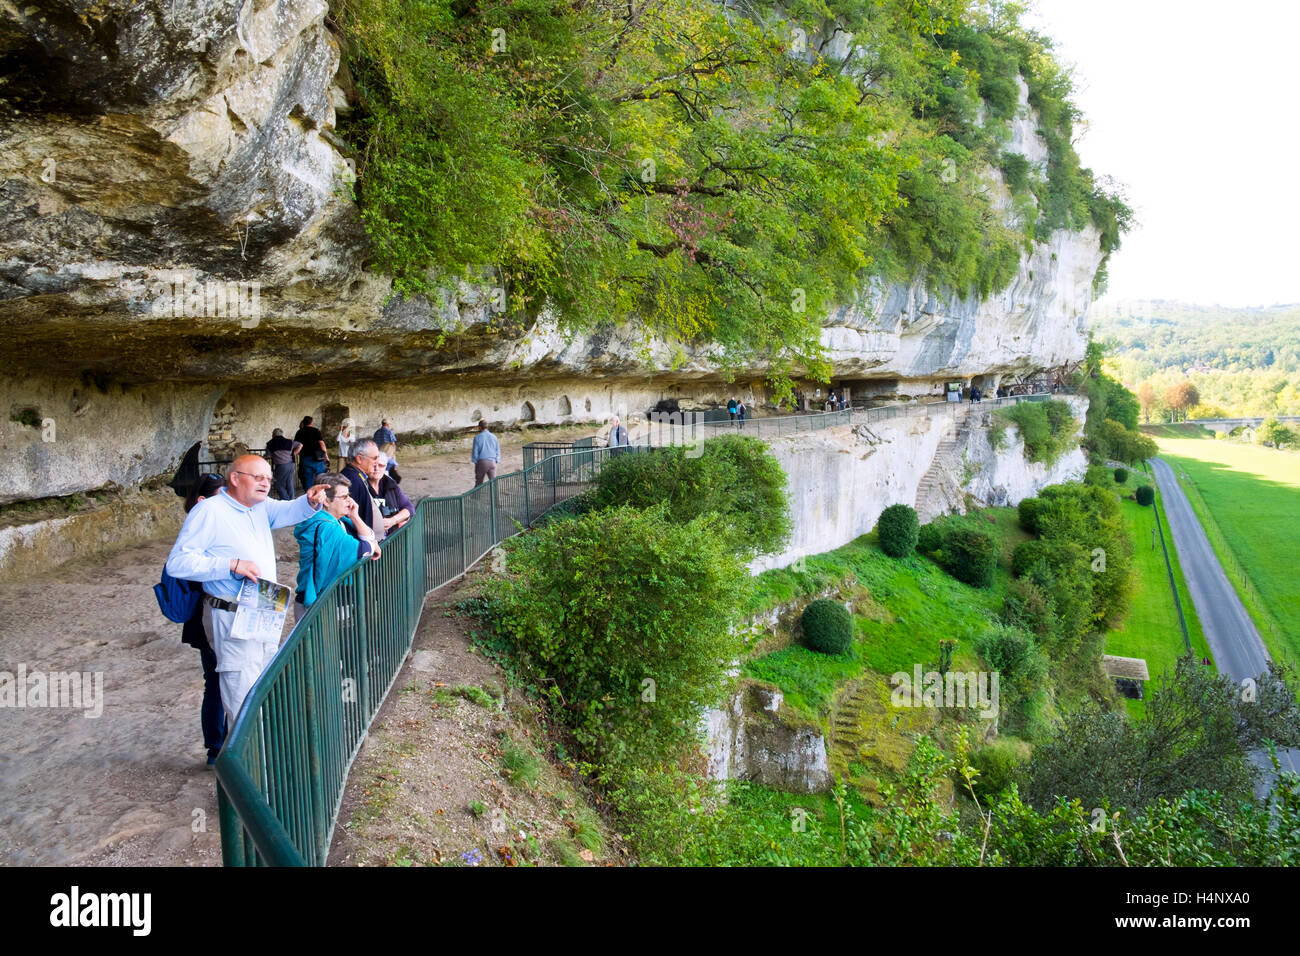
(177, 599)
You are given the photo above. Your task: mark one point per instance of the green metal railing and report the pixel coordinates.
(283, 770)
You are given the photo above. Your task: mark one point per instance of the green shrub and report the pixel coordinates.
(971, 556)
(595, 606)
(1026, 555)
(930, 538)
(1029, 605)
(898, 530)
(1097, 475)
(1014, 654)
(1146, 496)
(827, 626)
(1121, 475)
(998, 764)
(1028, 511)
(734, 477)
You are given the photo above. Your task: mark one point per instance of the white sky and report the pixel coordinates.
(1192, 105)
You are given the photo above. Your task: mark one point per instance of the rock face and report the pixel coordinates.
(750, 739)
(176, 226)
(838, 481)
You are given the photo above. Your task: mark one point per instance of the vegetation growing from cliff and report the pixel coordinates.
(720, 176)
(1047, 429)
(1110, 427)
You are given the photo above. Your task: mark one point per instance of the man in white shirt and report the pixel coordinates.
(228, 537)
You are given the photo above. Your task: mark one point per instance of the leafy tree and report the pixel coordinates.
(1179, 398)
(1148, 400)
(1113, 440)
(1195, 736)
(598, 605)
(1272, 432)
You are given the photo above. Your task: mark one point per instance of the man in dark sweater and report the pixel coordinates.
(357, 472)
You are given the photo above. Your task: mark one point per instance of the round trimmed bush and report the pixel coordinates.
(827, 626)
(929, 539)
(898, 530)
(1121, 475)
(1146, 496)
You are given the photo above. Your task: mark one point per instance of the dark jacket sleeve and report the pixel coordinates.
(360, 492)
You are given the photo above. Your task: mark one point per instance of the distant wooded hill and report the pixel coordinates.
(1241, 361)
(1155, 336)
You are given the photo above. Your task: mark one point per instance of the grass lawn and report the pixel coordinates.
(1151, 631)
(1252, 497)
(901, 610)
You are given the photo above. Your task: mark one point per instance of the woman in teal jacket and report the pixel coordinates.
(326, 548)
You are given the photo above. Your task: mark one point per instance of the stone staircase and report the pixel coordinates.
(847, 734)
(937, 490)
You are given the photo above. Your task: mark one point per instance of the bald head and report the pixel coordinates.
(249, 481)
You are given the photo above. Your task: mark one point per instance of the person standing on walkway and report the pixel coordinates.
(325, 548)
(347, 435)
(212, 718)
(387, 443)
(227, 539)
(741, 409)
(313, 457)
(282, 451)
(485, 455)
(731, 408)
(617, 437)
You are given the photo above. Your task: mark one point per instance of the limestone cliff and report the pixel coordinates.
(176, 226)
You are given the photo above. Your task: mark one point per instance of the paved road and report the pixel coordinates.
(1234, 641)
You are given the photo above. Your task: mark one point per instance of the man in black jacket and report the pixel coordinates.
(364, 453)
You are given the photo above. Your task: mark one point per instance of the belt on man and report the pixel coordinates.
(219, 604)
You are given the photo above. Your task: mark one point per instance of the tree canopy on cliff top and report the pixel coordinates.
(721, 174)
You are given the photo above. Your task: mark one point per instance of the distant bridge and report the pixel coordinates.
(1227, 425)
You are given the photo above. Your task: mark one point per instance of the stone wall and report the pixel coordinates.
(841, 479)
(31, 548)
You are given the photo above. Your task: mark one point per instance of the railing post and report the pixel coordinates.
(315, 768)
(360, 623)
(464, 542)
(528, 505)
(492, 509)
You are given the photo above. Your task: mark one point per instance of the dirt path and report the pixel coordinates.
(130, 787)
(455, 772)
